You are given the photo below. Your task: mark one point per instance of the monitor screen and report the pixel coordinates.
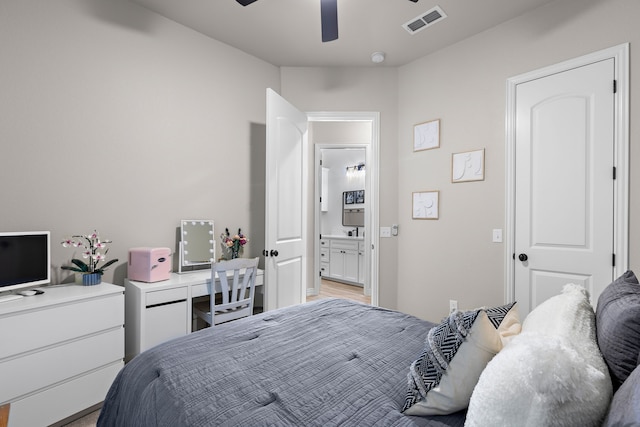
(24, 259)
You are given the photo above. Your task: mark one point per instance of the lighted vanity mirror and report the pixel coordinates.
(197, 244)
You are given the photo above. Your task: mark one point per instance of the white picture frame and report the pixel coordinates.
(425, 205)
(467, 166)
(426, 136)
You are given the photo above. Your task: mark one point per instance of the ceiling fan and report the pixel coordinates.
(328, 18)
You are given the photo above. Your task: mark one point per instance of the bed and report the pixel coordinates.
(341, 363)
(324, 363)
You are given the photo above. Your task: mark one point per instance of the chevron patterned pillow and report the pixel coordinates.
(456, 351)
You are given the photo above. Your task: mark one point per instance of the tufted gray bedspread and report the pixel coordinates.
(326, 363)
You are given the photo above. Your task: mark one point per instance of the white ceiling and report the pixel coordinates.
(287, 32)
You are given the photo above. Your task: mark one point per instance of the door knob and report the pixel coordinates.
(523, 257)
(265, 253)
(274, 252)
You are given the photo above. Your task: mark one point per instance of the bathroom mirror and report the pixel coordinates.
(197, 244)
(353, 217)
(353, 208)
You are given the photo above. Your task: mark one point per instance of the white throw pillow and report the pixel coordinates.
(442, 379)
(552, 374)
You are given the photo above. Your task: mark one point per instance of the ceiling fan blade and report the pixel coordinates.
(329, 18)
(245, 2)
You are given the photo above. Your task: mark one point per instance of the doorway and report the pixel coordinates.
(567, 177)
(336, 133)
(343, 203)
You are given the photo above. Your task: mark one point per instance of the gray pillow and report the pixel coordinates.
(618, 326)
(624, 410)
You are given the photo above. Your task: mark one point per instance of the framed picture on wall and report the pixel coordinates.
(359, 196)
(349, 197)
(467, 166)
(426, 204)
(426, 135)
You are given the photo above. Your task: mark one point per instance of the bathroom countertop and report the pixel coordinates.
(342, 236)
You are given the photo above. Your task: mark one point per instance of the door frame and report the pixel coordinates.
(620, 54)
(372, 160)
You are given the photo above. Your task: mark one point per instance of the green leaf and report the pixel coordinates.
(81, 264)
(108, 263)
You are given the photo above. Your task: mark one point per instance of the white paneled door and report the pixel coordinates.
(564, 183)
(286, 198)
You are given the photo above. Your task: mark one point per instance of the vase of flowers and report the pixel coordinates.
(94, 250)
(232, 245)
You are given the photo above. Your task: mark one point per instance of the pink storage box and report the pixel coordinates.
(149, 264)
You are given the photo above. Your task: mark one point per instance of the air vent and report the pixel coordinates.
(425, 20)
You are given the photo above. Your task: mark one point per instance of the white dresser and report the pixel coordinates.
(60, 351)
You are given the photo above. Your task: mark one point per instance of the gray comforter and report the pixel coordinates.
(325, 363)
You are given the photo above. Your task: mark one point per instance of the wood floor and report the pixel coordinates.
(331, 289)
(89, 420)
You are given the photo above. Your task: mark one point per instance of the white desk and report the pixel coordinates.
(157, 312)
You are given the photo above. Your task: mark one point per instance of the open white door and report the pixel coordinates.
(286, 199)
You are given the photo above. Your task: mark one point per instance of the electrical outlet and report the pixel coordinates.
(453, 305)
(385, 231)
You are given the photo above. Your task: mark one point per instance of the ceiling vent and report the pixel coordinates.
(425, 20)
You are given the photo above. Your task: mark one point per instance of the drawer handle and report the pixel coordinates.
(166, 303)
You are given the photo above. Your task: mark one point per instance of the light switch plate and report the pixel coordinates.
(385, 231)
(497, 235)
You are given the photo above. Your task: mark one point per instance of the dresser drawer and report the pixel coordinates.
(52, 365)
(49, 325)
(324, 269)
(64, 399)
(167, 295)
(344, 244)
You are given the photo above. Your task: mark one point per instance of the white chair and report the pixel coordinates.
(235, 302)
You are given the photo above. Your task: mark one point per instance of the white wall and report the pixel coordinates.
(115, 118)
(453, 257)
(112, 117)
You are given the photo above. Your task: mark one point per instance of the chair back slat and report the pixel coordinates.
(235, 301)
